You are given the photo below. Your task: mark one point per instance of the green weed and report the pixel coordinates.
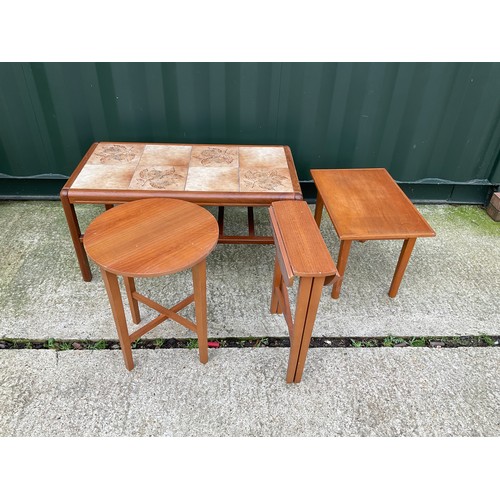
(416, 342)
(192, 344)
(399, 340)
(487, 340)
(388, 342)
(100, 344)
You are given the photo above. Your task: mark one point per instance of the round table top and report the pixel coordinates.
(151, 237)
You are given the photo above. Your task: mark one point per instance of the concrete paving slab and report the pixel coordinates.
(447, 289)
(242, 392)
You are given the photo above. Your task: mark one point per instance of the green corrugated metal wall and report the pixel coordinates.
(422, 121)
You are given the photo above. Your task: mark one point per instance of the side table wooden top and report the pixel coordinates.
(151, 237)
(304, 246)
(367, 204)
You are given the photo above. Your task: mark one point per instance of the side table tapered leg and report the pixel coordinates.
(200, 304)
(312, 309)
(301, 306)
(275, 304)
(319, 209)
(115, 301)
(345, 247)
(404, 257)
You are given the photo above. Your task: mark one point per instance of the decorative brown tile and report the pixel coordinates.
(167, 178)
(264, 157)
(165, 156)
(262, 180)
(116, 154)
(212, 179)
(104, 177)
(209, 156)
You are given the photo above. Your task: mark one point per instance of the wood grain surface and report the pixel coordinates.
(303, 244)
(367, 204)
(151, 237)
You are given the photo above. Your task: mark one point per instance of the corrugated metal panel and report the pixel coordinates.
(419, 120)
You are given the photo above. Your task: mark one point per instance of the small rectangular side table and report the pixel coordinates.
(206, 174)
(367, 204)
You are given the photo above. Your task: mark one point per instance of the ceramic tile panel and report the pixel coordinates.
(262, 158)
(212, 179)
(104, 177)
(167, 178)
(214, 156)
(116, 154)
(265, 180)
(157, 155)
(185, 167)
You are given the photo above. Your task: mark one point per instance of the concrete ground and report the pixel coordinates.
(450, 288)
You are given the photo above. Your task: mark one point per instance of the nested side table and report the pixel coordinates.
(367, 204)
(150, 238)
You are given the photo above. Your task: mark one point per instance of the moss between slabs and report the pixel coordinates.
(246, 342)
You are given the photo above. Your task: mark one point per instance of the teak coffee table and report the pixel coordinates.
(367, 204)
(206, 174)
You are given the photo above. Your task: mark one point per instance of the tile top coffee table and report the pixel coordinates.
(367, 204)
(206, 174)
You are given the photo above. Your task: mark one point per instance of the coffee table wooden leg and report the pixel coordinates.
(345, 247)
(301, 307)
(74, 230)
(115, 301)
(251, 222)
(314, 298)
(200, 304)
(220, 221)
(319, 209)
(134, 305)
(404, 257)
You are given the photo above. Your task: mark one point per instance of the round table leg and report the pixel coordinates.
(115, 301)
(200, 301)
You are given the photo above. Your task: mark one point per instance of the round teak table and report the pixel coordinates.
(149, 238)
